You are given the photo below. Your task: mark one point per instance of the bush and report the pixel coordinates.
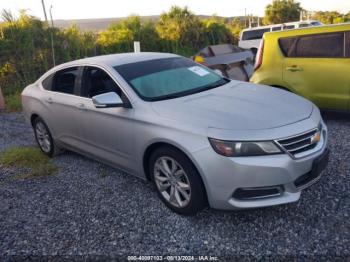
(13, 102)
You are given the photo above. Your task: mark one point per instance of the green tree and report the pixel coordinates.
(282, 11)
(216, 31)
(331, 17)
(119, 37)
(235, 26)
(181, 30)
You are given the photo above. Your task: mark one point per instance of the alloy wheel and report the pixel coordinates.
(172, 181)
(43, 137)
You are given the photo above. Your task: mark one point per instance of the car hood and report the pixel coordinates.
(237, 106)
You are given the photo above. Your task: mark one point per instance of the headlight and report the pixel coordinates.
(233, 149)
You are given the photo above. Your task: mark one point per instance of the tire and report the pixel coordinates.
(181, 178)
(44, 138)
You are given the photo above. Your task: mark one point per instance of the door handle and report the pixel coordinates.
(49, 100)
(294, 68)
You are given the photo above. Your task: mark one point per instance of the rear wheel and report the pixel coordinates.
(177, 181)
(44, 138)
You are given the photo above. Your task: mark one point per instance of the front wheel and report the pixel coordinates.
(177, 181)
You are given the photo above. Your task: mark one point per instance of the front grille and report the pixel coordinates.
(300, 143)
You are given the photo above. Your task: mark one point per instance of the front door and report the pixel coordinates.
(108, 132)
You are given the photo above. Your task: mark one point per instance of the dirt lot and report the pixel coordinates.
(89, 209)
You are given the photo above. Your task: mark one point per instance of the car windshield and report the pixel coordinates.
(168, 78)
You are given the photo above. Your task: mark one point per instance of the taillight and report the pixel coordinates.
(259, 55)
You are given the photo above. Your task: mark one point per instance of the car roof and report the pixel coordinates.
(278, 25)
(310, 30)
(119, 59)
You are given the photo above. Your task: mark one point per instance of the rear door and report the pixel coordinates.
(62, 103)
(316, 67)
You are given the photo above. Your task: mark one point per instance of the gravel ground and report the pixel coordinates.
(96, 211)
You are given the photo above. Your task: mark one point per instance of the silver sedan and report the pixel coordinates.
(200, 138)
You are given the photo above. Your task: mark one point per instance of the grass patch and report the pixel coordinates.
(28, 158)
(13, 102)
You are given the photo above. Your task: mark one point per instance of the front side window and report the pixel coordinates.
(64, 80)
(168, 78)
(96, 82)
(330, 45)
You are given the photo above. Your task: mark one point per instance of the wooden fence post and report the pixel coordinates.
(2, 101)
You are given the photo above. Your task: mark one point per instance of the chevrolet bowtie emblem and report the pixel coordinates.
(316, 138)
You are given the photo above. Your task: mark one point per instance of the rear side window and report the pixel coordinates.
(304, 25)
(254, 34)
(289, 27)
(314, 46)
(276, 28)
(287, 45)
(347, 44)
(64, 80)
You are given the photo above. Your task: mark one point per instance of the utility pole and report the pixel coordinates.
(245, 17)
(51, 31)
(43, 4)
(52, 44)
(51, 16)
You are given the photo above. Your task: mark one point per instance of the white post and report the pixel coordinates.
(2, 101)
(137, 48)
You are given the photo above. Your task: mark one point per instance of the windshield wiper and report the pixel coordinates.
(170, 96)
(218, 83)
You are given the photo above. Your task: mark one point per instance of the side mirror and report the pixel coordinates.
(105, 100)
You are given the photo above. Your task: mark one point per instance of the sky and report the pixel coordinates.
(80, 9)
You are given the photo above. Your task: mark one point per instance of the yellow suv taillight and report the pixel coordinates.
(259, 56)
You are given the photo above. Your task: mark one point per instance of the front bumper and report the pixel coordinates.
(281, 176)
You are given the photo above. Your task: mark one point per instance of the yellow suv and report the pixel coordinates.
(312, 62)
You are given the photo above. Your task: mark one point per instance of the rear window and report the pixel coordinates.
(254, 34)
(330, 45)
